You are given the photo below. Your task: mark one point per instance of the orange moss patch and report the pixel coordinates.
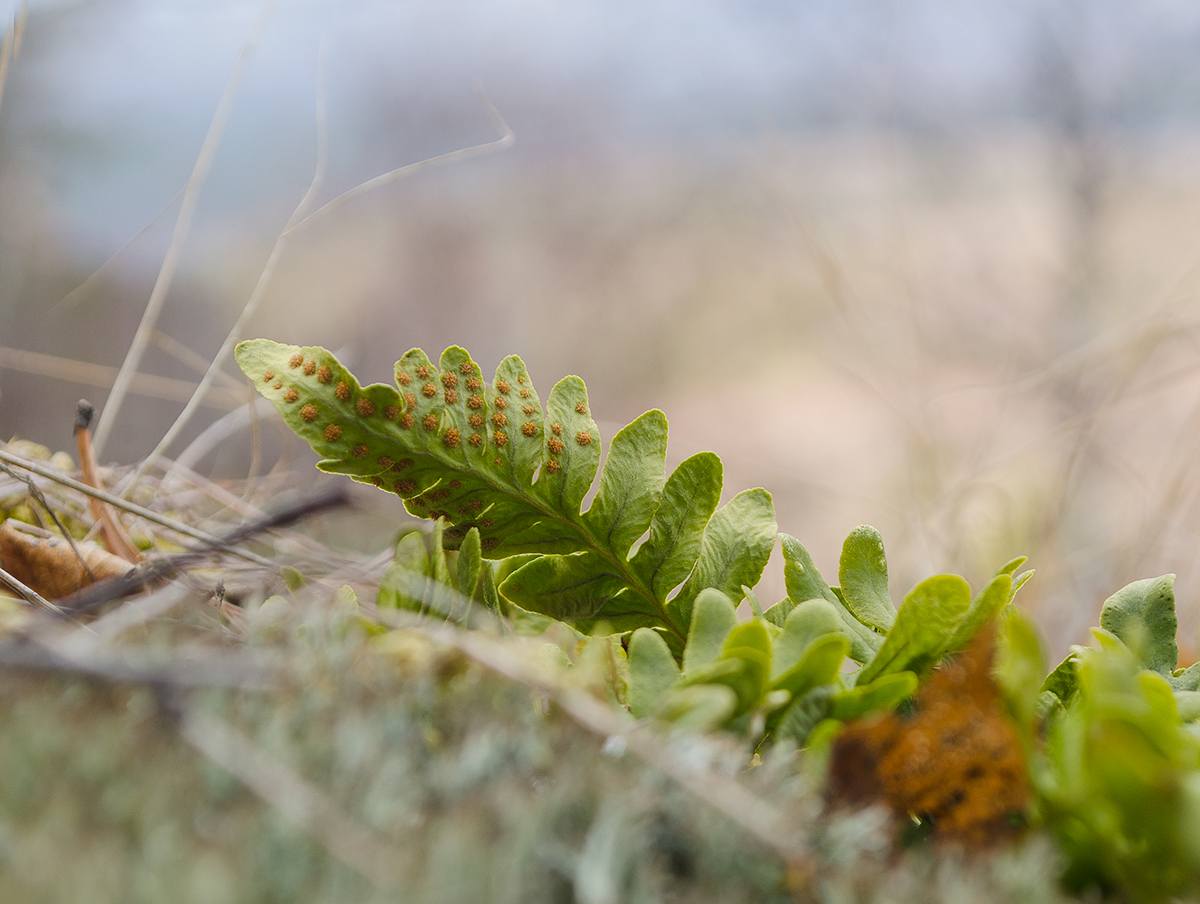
(956, 760)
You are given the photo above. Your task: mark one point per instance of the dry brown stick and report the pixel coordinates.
(115, 538)
(149, 573)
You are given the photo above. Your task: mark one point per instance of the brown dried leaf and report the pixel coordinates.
(50, 566)
(956, 760)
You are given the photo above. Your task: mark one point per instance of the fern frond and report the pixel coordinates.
(485, 455)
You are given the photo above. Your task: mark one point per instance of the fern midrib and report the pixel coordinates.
(608, 555)
(622, 567)
(516, 490)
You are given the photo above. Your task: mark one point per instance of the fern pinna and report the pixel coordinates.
(485, 455)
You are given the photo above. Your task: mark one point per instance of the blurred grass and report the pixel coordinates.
(458, 784)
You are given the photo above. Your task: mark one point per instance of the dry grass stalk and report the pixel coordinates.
(183, 222)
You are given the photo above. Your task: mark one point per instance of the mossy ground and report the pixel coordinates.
(472, 786)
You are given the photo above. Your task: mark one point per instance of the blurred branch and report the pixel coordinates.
(12, 44)
(103, 377)
(506, 139)
(297, 800)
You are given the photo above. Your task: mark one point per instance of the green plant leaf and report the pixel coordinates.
(574, 430)
(418, 577)
(488, 594)
(688, 501)
(743, 666)
(1188, 705)
(804, 582)
(984, 607)
(1019, 582)
(1063, 680)
(750, 645)
(468, 570)
(751, 597)
(1186, 679)
(807, 622)
(925, 625)
(1010, 567)
(778, 613)
(1020, 663)
(567, 588)
(713, 617)
(862, 573)
(820, 664)
(439, 568)
(881, 695)
(738, 540)
(627, 610)
(403, 585)
(630, 484)
(652, 672)
(293, 579)
(699, 706)
(805, 713)
(1142, 614)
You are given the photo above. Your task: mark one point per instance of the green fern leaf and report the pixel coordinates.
(484, 456)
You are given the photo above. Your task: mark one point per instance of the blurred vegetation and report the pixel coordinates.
(468, 786)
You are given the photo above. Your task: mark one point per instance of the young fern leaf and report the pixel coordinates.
(483, 455)
(862, 571)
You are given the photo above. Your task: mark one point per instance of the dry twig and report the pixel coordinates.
(115, 538)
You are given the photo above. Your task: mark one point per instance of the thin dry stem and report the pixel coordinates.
(12, 44)
(183, 222)
(103, 377)
(506, 139)
(264, 279)
(186, 356)
(80, 290)
(209, 438)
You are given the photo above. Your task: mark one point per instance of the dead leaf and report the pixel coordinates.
(956, 760)
(50, 566)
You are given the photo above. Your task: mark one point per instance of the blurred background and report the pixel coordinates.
(930, 266)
